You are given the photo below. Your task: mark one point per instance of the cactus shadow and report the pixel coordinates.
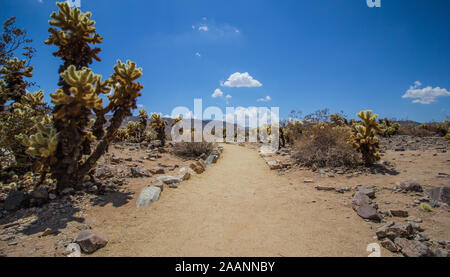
(116, 198)
(49, 216)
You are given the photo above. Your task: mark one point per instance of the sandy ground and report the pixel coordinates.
(239, 207)
(236, 208)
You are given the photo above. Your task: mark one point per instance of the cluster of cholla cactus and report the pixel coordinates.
(159, 125)
(19, 121)
(12, 84)
(388, 128)
(364, 138)
(338, 120)
(66, 146)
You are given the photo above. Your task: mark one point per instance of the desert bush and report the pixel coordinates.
(193, 149)
(325, 146)
(364, 138)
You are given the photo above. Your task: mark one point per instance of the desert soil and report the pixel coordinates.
(239, 207)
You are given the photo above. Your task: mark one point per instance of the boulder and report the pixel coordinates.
(90, 241)
(413, 248)
(15, 200)
(368, 212)
(273, 164)
(103, 172)
(137, 172)
(410, 185)
(209, 160)
(441, 194)
(148, 196)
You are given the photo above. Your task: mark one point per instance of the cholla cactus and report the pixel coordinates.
(364, 139)
(159, 126)
(388, 128)
(42, 145)
(78, 98)
(447, 136)
(338, 120)
(12, 85)
(20, 121)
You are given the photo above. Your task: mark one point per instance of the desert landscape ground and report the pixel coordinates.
(237, 207)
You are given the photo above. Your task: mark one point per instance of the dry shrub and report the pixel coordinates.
(193, 149)
(326, 146)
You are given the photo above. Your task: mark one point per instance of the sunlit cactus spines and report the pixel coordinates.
(159, 125)
(338, 120)
(78, 99)
(364, 138)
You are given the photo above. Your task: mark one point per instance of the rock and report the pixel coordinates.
(103, 172)
(209, 160)
(15, 200)
(157, 170)
(51, 196)
(308, 181)
(148, 196)
(399, 213)
(198, 167)
(137, 172)
(440, 253)
(185, 176)
(325, 188)
(368, 212)
(169, 179)
(360, 199)
(400, 149)
(159, 185)
(389, 245)
(411, 186)
(441, 194)
(369, 192)
(413, 248)
(392, 231)
(74, 250)
(273, 165)
(39, 196)
(90, 241)
(48, 232)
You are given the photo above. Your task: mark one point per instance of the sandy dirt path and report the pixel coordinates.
(238, 207)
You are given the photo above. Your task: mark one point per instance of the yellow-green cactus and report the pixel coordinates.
(388, 128)
(338, 120)
(364, 137)
(159, 126)
(12, 84)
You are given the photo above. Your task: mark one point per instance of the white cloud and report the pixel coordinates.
(140, 106)
(265, 99)
(228, 96)
(241, 80)
(198, 54)
(40, 1)
(217, 93)
(203, 28)
(426, 95)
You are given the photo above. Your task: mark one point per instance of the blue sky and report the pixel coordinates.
(299, 54)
